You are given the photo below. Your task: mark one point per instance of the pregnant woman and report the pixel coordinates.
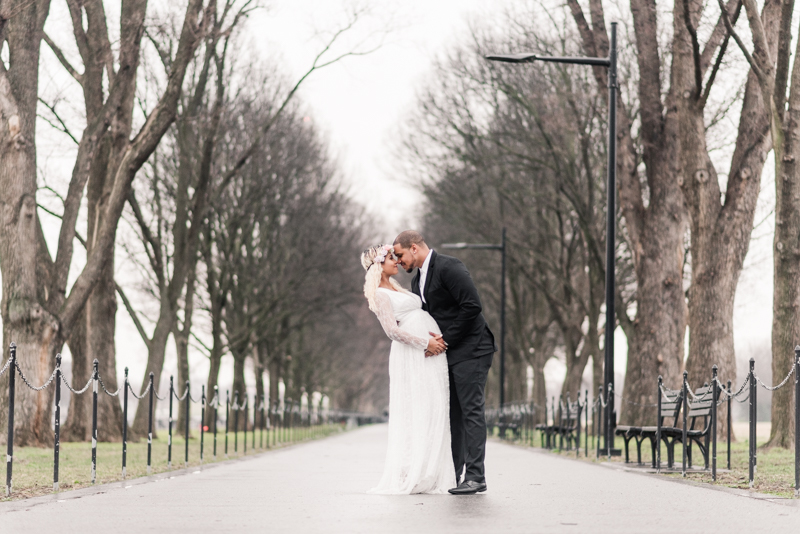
(418, 458)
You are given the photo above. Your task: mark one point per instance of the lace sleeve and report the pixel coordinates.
(389, 323)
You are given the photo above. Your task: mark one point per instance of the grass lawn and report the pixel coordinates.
(774, 470)
(33, 466)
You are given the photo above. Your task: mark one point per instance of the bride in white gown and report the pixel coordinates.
(418, 457)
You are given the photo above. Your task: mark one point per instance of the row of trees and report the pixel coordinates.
(523, 147)
(238, 215)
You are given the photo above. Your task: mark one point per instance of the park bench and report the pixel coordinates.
(697, 432)
(514, 420)
(566, 426)
(670, 408)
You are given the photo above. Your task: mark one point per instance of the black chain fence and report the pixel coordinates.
(565, 424)
(289, 421)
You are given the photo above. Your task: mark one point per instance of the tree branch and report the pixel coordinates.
(698, 74)
(63, 128)
(134, 315)
(155, 257)
(749, 57)
(722, 49)
(62, 58)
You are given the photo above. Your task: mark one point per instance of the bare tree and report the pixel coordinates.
(265, 247)
(38, 311)
(771, 76)
(652, 205)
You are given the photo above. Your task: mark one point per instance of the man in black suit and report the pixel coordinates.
(449, 295)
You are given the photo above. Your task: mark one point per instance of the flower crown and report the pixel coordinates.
(376, 255)
(383, 251)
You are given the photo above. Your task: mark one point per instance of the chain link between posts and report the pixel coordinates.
(182, 397)
(27, 382)
(5, 367)
(76, 392)
(102, 385)
(779, 386)
(142, 394)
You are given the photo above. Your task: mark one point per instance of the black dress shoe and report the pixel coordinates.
(468, 487)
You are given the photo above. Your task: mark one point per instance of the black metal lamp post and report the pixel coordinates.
(611, 63)
(502, 248)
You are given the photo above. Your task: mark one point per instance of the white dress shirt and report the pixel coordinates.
(423, 274)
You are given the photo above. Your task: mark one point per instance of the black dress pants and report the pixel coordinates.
(467, 419)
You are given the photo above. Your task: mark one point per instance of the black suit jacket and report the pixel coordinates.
(452, 299)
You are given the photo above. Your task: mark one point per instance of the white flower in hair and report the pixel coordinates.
(380, 257)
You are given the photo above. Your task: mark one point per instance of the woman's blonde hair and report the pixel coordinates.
(372, 259)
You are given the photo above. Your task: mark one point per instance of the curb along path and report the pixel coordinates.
(320, 487)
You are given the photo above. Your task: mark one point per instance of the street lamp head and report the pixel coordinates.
(525, 57)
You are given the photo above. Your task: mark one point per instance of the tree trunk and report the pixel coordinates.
(720, 232)
(101, 311)
(656, 231)
(540, 356)
(212, 382)
(25, 321)
(78, 426)
(239, 385)
(155, 363)
(656, 346)
(217, 303)
(786, 289)
(182, 351)
(260, 358)
(274, 366)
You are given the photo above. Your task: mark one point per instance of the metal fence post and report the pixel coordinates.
(560, 417)
(216, 411)
(287, 420)
(125, 424)
(578, 428)
(728, 443)
(10, 444)
(657, 450)
(186, 425)
(714, 397)
(169, 438)
(276, 425)
(245, 407)
(150, 426)
(255, 416)
(685, 409)
(586, 425)
(95, 377)
(752, 438)
(609, 422)
(797, 421)
(202, 418)
(755, 424)
(597, 411)
(261, 436)
(56, 444)
(236, 422)
(227, 418)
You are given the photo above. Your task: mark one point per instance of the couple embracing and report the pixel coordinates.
(441, 352)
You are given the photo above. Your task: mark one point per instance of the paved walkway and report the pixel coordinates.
(319, 487)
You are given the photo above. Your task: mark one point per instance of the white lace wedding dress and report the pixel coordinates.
(418, 458)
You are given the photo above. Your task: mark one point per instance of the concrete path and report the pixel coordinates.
(320, 487)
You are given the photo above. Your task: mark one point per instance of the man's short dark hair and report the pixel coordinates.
(409, 237)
